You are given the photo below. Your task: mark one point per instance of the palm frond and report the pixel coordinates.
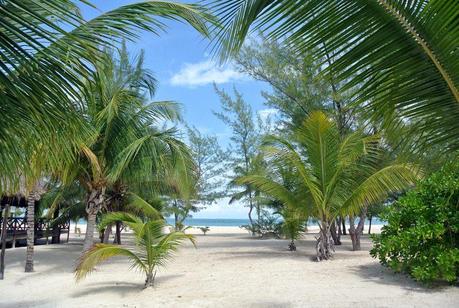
(101, 252)
(399, 58)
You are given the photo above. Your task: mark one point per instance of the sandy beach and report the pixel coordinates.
(229, 268)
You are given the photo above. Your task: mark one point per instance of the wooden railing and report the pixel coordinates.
(17, 229)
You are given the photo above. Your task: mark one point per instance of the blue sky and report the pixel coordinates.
(181, 62)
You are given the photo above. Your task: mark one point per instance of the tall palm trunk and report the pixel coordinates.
(5, 215)
(93, 206)
(30, 231)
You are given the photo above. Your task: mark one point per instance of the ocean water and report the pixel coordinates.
(219, 222)
(226, 222)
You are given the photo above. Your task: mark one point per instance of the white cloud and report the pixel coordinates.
(267, 113)
(205, 72)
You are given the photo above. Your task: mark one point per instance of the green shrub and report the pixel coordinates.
(421, 237)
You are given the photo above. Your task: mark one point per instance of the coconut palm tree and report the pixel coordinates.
(339, 175)
(47, 49)
(128, 147)
(399, 57)
(152, 247)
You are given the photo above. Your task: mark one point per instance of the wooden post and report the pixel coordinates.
(5, 214)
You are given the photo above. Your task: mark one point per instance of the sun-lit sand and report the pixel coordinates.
(228, 269)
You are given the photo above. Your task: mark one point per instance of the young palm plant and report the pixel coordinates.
(152, 247)
(338, 175)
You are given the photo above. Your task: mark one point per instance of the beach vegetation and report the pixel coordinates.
(204, 230)
(152, 249)
(421, 237)
(339, 175)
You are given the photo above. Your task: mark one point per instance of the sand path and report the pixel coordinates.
(229, 269)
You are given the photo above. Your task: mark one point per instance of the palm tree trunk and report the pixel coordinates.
(118, 233)
(343, 220)
(324, 247)
(356, 233)
(93, 206)
(334, 233)
(5, 214)
(107, 232)
(369, 226)
(150, 281)
(30, 231)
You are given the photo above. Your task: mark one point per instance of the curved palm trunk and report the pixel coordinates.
(93, 206)
(30, 231)
(107, 232)
(354, 232)
(118, 233)
(324, 247)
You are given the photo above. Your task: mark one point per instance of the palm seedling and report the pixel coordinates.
(204, 230)
(152, 247)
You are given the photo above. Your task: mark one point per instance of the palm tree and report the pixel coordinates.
(399, 57)
(153, 247)
(127, 148)
(47, 49)
(339, 175)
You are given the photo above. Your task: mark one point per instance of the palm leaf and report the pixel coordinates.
(398, 57)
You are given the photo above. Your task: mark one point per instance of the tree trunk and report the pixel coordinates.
(107, 232)
(30, 231)
(56, 232)
(5, 214)
(369, 225)
(343, 220)
(258, 212)
(324, 247)
(356, 233)
(150, 280)
(340, 230)
(93, 206)
(334, 234)
(118, 233)
(250, 214)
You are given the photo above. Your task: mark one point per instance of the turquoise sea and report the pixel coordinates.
(229, 222)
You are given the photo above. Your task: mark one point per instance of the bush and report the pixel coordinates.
(421, 237)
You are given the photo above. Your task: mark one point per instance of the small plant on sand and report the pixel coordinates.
(204, 229)
(292, 225)
(152, 246)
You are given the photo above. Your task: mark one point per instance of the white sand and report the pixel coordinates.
(228, 269)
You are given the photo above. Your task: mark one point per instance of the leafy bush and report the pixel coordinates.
(421, 237)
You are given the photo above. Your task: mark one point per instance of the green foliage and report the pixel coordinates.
(47, 49)
(296, 87)
(242, 158)
(398, 57)
(153, 248)
(421, 237)
(329, 175)
(204, 230)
